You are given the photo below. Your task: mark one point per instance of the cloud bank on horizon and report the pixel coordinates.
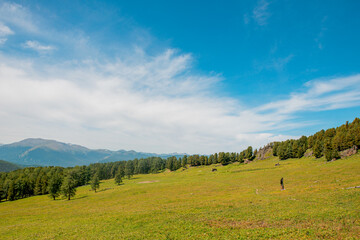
(155, 102)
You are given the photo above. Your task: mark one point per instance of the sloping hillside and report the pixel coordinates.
(238, 201)
(8, 166)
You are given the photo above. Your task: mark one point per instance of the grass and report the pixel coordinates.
(236, 202)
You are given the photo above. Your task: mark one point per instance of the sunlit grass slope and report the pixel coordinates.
(235, 202)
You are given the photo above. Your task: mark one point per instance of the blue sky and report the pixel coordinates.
(177, 76)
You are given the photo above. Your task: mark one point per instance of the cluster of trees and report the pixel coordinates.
(323, 143)
(223, 158)
(57, 181)
(31, 181)
(290, 148)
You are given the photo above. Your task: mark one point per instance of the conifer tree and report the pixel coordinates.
(68, 187)
(129, 169)
(11, 191)
(184, 161)
(317, 149)
(44, 184)
(249, 153)
(215, 158)
(38, 185)
(54, 186)
(121, 171)
(118, 178)
(95, 182)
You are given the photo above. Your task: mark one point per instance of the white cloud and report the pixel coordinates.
(4, 32)
(30, 25)
(329, 94)
(261, 13)
(35, 45)
(17, 15)
(153, 104)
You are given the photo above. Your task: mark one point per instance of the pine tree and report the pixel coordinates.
(118, 178)
(11, 191)
(95, 182)
(215, 158)
(242, 156)
(275, 148)
(121, 171)
(44, 184)
(184, 161)
(54, 186)
(249, 153)
(328, 151)
(221, 157)
(38, 185)
(317, 149)
(68, 187)
(129, 169)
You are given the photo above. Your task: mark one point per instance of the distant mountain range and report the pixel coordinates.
(43, 152)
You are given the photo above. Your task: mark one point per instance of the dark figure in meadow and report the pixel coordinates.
(282, 184)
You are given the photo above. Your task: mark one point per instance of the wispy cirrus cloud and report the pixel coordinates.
(35, 45)
(261, 12)
(320, 37)
(29, 25)
(16, 15)
(321, 95)
(274, 63)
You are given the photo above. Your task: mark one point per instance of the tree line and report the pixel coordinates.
(327, 143)
(56, 181)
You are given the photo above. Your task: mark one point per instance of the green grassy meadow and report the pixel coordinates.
(239, 201)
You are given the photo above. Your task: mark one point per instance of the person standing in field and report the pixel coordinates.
(282, 184)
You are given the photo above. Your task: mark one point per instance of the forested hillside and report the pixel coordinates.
(327, 143)
(50, 180)
(8, 166)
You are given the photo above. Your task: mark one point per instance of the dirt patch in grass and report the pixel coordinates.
(149, 181)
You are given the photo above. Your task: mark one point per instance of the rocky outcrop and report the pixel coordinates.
(265, 152)
(308, 153)
(349, 152)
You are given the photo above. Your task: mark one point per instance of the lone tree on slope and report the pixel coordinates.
(118, 178)
(95, 182)
(68, 187)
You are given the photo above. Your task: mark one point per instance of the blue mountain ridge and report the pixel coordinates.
(44, 152)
